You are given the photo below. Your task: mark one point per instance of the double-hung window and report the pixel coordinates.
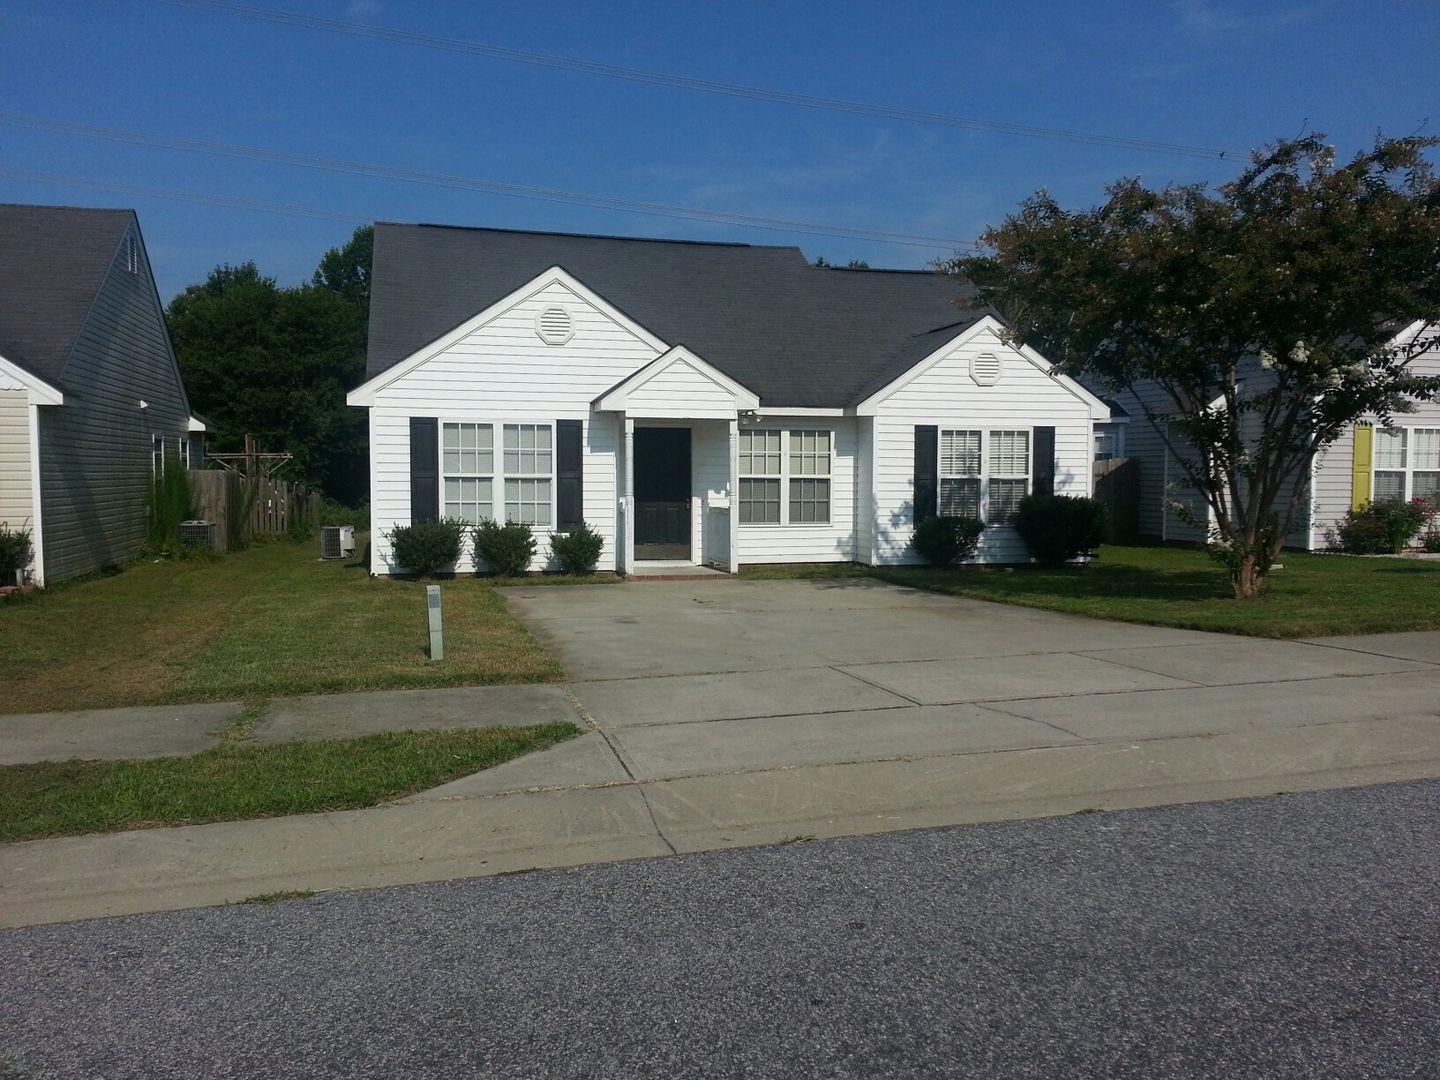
(960, 474)
(467, 454)
(1407, 463)
(157, 454)
(760, 477)
(809, 477)
(1109, 442)
(529, 461)
(1009, 475)
(983, 474)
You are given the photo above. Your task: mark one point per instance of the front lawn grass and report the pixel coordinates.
(239, 780)
(1313, 596)
(269, 621)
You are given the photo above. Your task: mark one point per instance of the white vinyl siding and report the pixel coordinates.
(17, 507)
(947, 397)
(504, 373)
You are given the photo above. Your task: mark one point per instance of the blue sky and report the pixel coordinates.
(1199, 72)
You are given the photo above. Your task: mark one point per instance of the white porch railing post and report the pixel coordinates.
(628, 553)
(734, 496)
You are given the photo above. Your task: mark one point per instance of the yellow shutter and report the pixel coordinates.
(1360, 468)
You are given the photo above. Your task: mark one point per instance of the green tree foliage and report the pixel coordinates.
(1264, 313)
(276, 362)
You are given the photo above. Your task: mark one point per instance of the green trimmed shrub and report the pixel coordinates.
(945, 541)
(1384, 527)
(577, 551)
(429, 547)
(506, 550)
(1058, 528)
(14, 552)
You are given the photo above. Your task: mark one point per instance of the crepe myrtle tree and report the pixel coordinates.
(1262, 315)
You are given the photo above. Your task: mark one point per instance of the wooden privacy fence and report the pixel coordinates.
(250, 506)
(1117, 485)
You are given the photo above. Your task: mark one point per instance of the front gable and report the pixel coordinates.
(678, 385)
(978, 364)
(552, 330)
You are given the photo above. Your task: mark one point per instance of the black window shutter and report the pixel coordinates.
(424, 469)
(927, 446)
(1042, 469)
(569, 475)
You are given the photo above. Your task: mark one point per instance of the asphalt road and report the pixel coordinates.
(1297, 936)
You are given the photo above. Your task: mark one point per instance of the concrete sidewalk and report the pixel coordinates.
(164, 730)
(738, 713)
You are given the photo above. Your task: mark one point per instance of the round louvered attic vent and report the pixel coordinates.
(554, 326)
(985, 369)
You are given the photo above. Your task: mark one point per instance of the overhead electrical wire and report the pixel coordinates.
(470, 183)
(236, 202)
(688, 82)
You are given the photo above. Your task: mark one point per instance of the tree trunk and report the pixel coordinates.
(1247, 579)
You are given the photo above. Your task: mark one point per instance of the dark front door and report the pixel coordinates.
(662, 493)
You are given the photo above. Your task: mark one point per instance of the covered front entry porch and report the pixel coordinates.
(678, 466)
(677, 485)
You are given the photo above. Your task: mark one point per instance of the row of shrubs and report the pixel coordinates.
(431, 547)
(1056, 529)
(1388, 527)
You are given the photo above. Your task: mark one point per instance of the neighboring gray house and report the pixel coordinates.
(91, 400)
(699, 403)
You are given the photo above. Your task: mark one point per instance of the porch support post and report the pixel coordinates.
(628, 553)
(735, 496)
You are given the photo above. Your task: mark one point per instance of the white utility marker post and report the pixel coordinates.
(437, 633)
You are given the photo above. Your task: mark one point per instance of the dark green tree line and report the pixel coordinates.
(275, 362)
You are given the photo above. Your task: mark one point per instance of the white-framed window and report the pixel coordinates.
(529, 469)
(761, 475)
(467, 463)
(960, 476)
(983, 474)
(1407, 463)
(1109, 441)
(157, 454)
(810, 477)
(1008, 476)
(182, 450)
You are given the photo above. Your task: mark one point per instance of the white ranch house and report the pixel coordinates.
(699, 404)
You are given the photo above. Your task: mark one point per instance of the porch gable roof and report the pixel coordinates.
(681, 385)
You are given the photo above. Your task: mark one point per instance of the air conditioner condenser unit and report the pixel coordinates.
(337, 541)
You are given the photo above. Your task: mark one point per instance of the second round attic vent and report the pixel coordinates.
(985, 369)
(554, 326)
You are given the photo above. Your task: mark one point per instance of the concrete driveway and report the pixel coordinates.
(731, 713)
(696, 679)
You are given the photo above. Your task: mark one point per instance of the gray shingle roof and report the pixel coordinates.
(53, 260)
(795, 334)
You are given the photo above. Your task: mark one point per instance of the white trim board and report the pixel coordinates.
(40, 392)
(618, 397)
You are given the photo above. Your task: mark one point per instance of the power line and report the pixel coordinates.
(468, 183)
(687, 82)
(236, 202)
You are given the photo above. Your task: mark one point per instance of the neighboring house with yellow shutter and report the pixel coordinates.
(1401, 461)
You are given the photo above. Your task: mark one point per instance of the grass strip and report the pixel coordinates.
(240, 780)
